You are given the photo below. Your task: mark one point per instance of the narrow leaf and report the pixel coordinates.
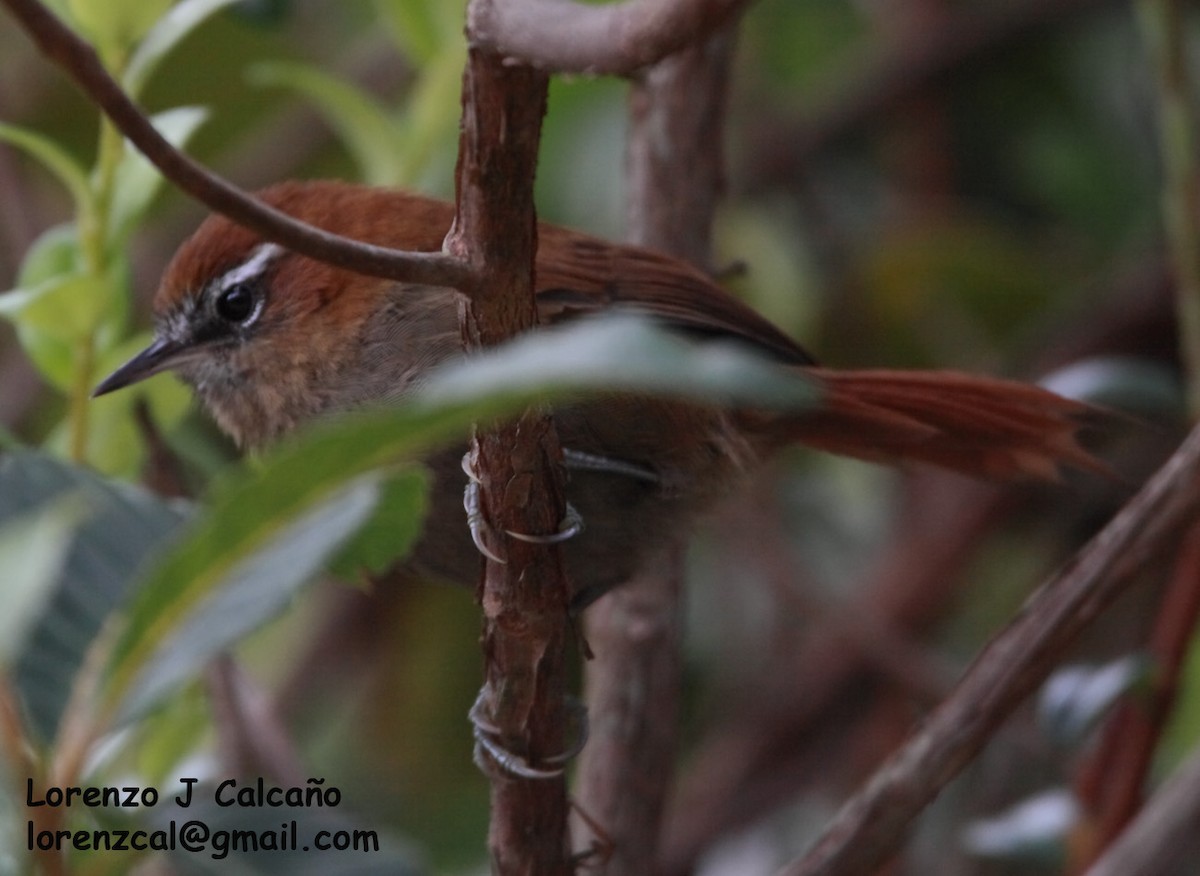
(362, 123)
(33, 550)
(176, 630)
(137, 180)
(55, 159)
(623, 353)
(120, 527)
(164, 36)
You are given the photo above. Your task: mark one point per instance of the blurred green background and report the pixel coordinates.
(917, 183)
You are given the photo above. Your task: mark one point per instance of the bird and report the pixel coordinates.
(270, 340)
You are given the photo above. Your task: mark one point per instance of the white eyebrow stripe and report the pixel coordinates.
(259, 259)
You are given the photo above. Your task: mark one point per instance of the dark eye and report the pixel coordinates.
(236, 303)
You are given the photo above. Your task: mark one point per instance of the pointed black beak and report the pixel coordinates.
(159, 356)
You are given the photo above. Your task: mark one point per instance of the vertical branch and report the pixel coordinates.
(524, 599)
(1114, 779)
(676, 174)
(1166, 36)
(675, 160)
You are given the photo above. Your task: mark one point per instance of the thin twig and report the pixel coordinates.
(872, 825)
(78, 59)
(617, 39)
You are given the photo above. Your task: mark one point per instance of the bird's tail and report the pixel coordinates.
(976, 425)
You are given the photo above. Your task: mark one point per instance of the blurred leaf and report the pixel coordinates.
(53, 318)
(1034, 831)
(121, 526)
(33, 548)
(67, 307)
(117, 24)
(56, 252)
(265, 533)
(56, 160)
(263, 13)
(428, 125)
(623, 353)
(392, 530)
(1075, 698)
(137, 181)
(362, 123)
(167, 32)
(949, 290)
(233, 573)
(1142, 386)
(779, 281)
(416, 26)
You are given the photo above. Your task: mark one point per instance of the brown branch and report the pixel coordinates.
(1162, 838)
(518, 465)
(634, 684)
(1114, 780)
(251, 737)
(616, 39)
(675, 170)
(871, 826)
(77, 58)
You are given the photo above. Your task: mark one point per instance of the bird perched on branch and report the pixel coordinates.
(270, 339)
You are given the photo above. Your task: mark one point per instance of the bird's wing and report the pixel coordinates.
(579, 275)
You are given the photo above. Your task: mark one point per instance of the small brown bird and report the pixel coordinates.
(270, 339)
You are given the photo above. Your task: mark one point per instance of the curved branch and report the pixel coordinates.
(615, 39)
(79, 60)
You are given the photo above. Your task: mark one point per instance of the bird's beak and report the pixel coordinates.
(162, 354)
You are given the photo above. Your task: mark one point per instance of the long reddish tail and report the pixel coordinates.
(976, 425)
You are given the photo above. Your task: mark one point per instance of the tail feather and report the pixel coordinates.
(977, 425)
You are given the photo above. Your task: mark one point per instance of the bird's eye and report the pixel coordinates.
(237, 303)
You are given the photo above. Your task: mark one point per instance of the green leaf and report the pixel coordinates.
(121, 526)
(33, 550)
(268, 530)
(419, 27)
(430, 119)
(54, 318)
(233, 573)
(55, 253)
(67, 307)
(623, 353)
(137, 181)
(392, 530)
(167, 32)
(55, 159)
(362, 123)
(117, 24)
